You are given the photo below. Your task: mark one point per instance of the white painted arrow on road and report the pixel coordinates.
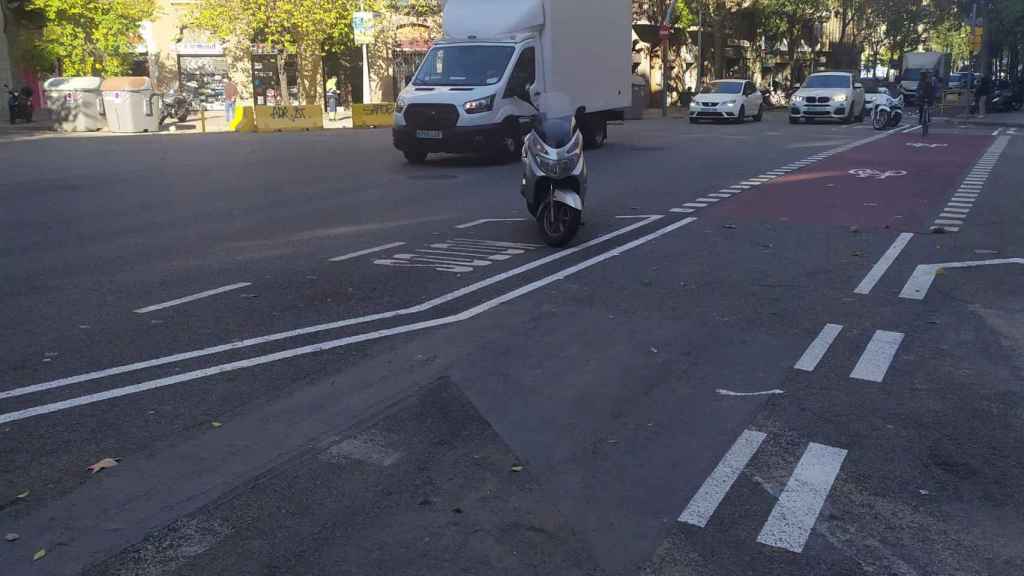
(923, 276)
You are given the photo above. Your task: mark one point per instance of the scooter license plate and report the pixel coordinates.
(429, 134)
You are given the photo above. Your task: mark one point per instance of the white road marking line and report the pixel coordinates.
(883, 264)
(949, 222)
(193, 297)
(728, 191)
(486, 220)
(947, 215)
(963, 196)
(367, 251)
(341, 342)
(724, 392)
(708, 200)
(796, 512)
(428, 305)
(720, 195)
(636, 216)
(695, 205)
(818, 347)
(776, 173)
(997, 131)
(875, 360)
(704, 503)
(683, 210)
(740, 187)
(750, 183)
(921, 280)
(947, 228)
(962, 204)
(960, 210)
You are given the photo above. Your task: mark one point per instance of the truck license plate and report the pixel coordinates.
(429, 134)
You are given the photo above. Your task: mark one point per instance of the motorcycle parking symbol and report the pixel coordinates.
(871, 173)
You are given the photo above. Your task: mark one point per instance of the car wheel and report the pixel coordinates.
(693, 120)
(741, 115)
(760, 113)
(793, 120)
(860, 116)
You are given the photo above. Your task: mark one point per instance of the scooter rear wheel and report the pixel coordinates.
(880, 119)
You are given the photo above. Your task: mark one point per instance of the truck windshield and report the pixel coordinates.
(827, 81)
(912, 74)
(464, 66)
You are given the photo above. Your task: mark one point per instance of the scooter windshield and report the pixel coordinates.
(557, 123)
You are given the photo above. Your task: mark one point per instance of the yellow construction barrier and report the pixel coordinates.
(288, 118)
(373, 115)
(244, 120)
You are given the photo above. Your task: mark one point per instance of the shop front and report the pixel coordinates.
(202, 71)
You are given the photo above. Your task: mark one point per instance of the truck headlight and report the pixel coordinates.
(479, 106)
(839, 98)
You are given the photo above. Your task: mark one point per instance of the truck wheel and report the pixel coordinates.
(415, 156)
(595, 133)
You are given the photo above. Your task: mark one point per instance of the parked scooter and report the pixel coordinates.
(888, 111)
(554, 180)
(19, 104)
(175, 105)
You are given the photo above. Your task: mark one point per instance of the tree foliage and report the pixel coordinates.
(90, 37)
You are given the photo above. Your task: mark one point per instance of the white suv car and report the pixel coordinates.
(732, 100)
(830, 95)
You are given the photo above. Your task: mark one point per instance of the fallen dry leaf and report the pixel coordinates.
(517, 468)
(24, 495)
(11, 536)
(39, 554)
(102, 464)
(216, 424)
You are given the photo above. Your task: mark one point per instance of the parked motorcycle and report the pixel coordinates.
(19, 104)
(175, 105)
(888, 111)
(554, 180)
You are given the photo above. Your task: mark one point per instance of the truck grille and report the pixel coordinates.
(431, 116)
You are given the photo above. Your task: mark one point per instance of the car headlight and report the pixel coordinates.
(839, 98)
(729, 104)
(400, 105)
(478, 106)
(798, 99)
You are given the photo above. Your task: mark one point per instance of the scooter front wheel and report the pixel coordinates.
(558, 223)
(880, 119)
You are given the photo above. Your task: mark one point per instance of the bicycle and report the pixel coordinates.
(924, 118)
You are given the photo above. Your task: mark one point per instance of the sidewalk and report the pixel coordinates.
(990, 119)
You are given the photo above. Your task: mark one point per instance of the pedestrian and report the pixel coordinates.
(230, 97)
(982, 93)
(332, 97)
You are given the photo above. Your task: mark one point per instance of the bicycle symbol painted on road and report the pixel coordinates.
(924, 145)
(871, 173)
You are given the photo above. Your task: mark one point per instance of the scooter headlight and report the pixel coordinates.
(563, 163)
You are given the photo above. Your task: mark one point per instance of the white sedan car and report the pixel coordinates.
(733, 100)
(828, 95)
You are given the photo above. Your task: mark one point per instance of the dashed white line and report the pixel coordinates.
(818, 347)
(724, 392)
(486, 220)
(720, 195)
(341, 342)
(193, 297)
(883, 264)
(708, 200)
(960, 210)
(946, 215)
(695, 205)
(367, 251)
(683, 210)
(796, 512)
(962, 204)
(875, 360)
(950, 222)
(259, 340)
(704, 503)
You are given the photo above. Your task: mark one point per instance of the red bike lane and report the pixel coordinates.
(901, 182)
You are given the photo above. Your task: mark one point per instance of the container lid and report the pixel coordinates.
(127, 84)
(81, 83)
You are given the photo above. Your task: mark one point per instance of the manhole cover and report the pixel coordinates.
(433, 177)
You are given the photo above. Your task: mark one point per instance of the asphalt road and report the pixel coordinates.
(773, 349)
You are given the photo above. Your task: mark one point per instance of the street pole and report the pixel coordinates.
(974, 27)
(700, 50)
(665, 69)
(367, 95)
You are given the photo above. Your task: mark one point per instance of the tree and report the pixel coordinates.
(89, 37)
(793, 21)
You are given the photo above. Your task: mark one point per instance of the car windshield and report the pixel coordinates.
(827, 81)
(723, 88)
(912, 74)
(464, 66)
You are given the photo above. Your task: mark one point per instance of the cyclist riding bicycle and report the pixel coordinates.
(925, 99)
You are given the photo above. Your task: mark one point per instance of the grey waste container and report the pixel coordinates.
(131, 104)
(641, 96)
(75, 103)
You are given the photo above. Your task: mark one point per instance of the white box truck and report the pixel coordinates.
(916, 62)
(470, 92)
